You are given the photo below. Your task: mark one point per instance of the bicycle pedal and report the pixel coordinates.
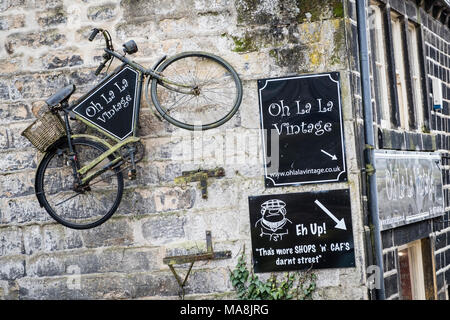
(132, 174)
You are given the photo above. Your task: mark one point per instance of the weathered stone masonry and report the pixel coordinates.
(44, 47)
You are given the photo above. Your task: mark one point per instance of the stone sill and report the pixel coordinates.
(406, 140)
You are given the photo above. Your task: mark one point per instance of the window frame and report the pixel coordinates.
(407, 86)
(413, 251)
(416, 75)
(380, 67)
(398, 52)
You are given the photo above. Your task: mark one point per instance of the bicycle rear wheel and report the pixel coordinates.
(81, 209)
(216, 97)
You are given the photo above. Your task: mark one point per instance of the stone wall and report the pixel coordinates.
(44, 46)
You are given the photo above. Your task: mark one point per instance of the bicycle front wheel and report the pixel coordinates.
(215, 91)
(78, 208)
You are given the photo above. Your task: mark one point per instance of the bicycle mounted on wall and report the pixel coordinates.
(79, 180)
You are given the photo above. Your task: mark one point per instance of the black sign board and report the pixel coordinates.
(111, 106)
(301, 230)
(409, 187)
(302, 129)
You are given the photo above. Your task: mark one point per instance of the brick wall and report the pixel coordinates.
(44, 47)
(437, 50)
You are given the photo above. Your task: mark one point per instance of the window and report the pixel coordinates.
(412, 285)
(416, 77)
(400, 70)
(379, 69)
(416, 270)
(396, 73)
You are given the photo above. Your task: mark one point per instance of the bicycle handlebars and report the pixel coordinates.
(100, 67)
(106, 56)
(94, 33)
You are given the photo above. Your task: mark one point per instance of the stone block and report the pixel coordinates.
(10, 241)
(49, 38)
(100, 286)
(4, 90)
(189, 26)
(11, 138)
(102, 13)
(56, 237)
(150, 124)
(224, 225)
(32, 239)
(163, 229)
(208, 281)
(155, 173)
(14, 112)
(212, 5)
(45, 265)
(38, 86)
(12, 268)
(61, 59)
(7, 4)
(47, 4)
(118, 260)
(114, 232)
(12, 22)
(155, 9)
(145, 29)
(137, 201)
(23, 210)
(17, 160)
(84, 79)
(16, 185)
(50, 18)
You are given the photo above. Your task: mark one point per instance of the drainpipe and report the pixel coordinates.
(370, 142)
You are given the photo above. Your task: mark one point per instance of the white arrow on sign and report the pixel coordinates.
(332, 156)
(340, 224)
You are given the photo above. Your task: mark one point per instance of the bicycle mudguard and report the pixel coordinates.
(59, 143)
(159, 62)
(147, 85)
(50, 149)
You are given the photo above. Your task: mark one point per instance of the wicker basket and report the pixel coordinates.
(45, 131)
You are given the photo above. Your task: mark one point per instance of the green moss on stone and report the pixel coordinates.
(294, 58)
(338, 9)
(244, 44)
(320, 9)
(273, 53)
(339, 42)
(244, 10)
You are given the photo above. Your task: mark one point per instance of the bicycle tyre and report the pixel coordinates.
(43, 185)
(227, 70)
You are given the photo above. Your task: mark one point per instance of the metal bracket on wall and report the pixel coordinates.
(369, 169)
(202, 176)
(192, 258)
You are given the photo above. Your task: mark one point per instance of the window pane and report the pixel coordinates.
(415, 74)
(379, 70)
(400, 71)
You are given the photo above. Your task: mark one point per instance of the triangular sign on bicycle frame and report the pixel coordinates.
(112, 105)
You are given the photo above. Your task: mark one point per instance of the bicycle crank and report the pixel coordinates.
(137, 149)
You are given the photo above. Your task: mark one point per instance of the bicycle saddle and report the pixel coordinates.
(61, 95)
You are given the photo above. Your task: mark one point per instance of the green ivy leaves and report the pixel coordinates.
(293, 285)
